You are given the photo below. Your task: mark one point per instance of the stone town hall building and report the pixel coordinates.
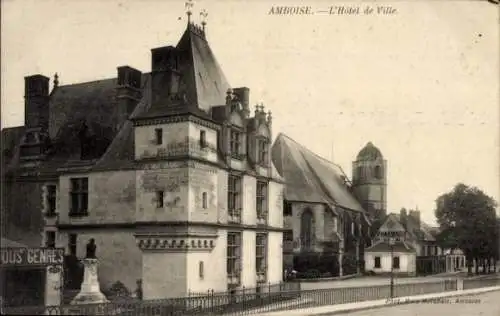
(168, 171)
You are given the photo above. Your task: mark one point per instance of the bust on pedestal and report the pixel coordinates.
(90, 292)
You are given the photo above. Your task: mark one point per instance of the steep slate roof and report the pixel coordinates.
(121, 150)
(91, 102)
(211, 83)
(310, 178)
(202, 78)
(385, 247)
(95, 104)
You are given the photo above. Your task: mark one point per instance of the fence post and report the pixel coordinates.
(244, 297)
(460, 284)
(211, 299)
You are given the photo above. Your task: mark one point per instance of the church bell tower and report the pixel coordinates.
(370, 181)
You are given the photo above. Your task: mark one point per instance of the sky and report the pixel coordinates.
(421, 84)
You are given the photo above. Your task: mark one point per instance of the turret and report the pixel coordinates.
(370, 180)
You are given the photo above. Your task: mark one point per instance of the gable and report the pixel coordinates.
(391, 224)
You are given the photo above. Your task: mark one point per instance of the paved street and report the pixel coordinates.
(376, 280)
(368, 281)
(486, 304)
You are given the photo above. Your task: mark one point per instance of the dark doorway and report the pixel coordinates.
(23, 286)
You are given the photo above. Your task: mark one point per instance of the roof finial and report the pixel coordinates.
(203, 15)
(189, 5)
(56, 80)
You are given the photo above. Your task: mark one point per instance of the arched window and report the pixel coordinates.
(378, 172)
(306, 229)
(330, 226)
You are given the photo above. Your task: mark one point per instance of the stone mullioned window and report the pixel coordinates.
(234, 196)
(261, 202)
(261, 257)
(233, 258)
(79, 197)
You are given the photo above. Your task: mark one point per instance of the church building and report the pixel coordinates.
(168, 171)
(328, 218)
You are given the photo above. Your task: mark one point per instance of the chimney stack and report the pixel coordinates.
(36, 101)
(128, 91)
(243, 95)
(165, 73)
(415, 215)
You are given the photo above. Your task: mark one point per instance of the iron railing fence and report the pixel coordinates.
(261, 288)
(250, 301)
(334, 296)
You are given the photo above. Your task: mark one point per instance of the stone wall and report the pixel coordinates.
(22, 217)
(119, 257)
(172, 178)
(111, 198)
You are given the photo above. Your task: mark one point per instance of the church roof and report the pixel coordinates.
(310, 178)
(369, 153)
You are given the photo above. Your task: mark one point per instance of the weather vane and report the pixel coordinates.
(189, 5)
(203, 15)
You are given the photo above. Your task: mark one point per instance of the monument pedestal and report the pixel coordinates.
(90, 292)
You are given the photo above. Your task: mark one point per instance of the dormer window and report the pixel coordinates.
(235, 143)
(159, 136)
(203, 140)
(262, 151)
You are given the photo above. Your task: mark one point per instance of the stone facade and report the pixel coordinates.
(168, 172)
(325, 213)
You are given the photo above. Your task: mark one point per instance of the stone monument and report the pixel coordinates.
(90, 292)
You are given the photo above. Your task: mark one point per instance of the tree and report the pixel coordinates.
(467, 219)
